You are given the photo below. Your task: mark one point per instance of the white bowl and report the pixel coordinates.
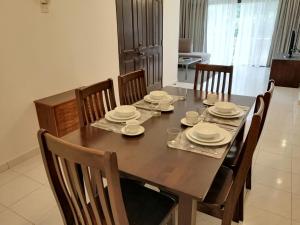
(206, 131)
(125, 111)
(225, 107)
(157, 95)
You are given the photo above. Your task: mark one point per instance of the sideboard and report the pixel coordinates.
(58, 114)
(286, 71)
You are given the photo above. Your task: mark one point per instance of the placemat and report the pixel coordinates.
(116, 127)
(207, 117)
(182, 143)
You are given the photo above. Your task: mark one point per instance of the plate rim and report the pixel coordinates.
(146, 98)
(213, 109)
(218, 140)
(171, 108)
(226, 116)
(111, 112)
(225, 141)
(135, 134)
(122, 120)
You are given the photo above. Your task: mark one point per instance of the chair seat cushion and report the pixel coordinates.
(232, 157)
(220, 187)
(145, 206)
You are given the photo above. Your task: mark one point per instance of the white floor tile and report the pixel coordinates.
(36, 205)
(296, 184)
(38, 174)
(29, 164)
(272, 177)
(16, 189)
(9, 218)
(52, 217)
(270, 199)
(255, 216)
(7, 176)
(274, 161)
(296, 166)
(295, 208)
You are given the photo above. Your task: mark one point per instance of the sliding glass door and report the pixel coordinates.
(248, 31)
(221, 26)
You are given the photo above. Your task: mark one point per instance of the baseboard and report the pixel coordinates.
(21, 158)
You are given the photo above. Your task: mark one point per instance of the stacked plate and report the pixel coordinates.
(156, 96)
(122, 114)
(208, 134)
(226, 110)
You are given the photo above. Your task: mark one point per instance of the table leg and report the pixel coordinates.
(186, 71)
(187, 209)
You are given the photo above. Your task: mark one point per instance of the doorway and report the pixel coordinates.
(140, 38)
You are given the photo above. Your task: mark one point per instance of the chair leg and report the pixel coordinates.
(172, 220)
(236, 215)
(248, 179)
(241, 205)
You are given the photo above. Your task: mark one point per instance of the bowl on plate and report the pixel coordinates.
(225, 107)
(124, 111)
(205, 131)
(158, 95)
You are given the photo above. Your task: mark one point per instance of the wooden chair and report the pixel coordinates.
(118, 203)
(233, 155)
(94, 101)
(132, 87)
(224, 200)
(214, 78)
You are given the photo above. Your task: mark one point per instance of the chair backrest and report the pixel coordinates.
(132, 87)
(76, 176)
(245, 159)
(267, 100)
(94, 101)
(185, 45)
(213, 78)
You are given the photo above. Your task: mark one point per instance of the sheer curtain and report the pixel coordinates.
(256, 26)
(193, 17)
(221, 25)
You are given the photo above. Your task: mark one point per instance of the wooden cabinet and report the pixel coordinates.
(58, 113)
(286, 71)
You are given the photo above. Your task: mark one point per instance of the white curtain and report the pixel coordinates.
(256, 26)
(221, 25)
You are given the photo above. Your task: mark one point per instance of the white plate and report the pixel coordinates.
(171, 108)
(226, 140)
(232, 113)
(241, 113)
(213, 140)
(113, 115)
(184, 122)
(147, 98)
(121, 120)
(139, 132)
(207, 103)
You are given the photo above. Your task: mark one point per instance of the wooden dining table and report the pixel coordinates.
(148, 158)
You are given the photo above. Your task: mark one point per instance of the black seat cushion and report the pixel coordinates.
(220, 187)
(145, 206)
(232, 157)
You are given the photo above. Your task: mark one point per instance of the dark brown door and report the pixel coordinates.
(140, 33)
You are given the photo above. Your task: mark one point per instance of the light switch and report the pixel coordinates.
(44, 6)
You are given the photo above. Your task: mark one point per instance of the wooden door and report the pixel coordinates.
(140, 34)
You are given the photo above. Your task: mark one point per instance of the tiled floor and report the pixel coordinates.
(25, 196)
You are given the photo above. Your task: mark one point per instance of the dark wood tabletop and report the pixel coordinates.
(148, 158)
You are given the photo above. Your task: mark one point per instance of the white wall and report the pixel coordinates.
(42, 54)
(170, 42)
